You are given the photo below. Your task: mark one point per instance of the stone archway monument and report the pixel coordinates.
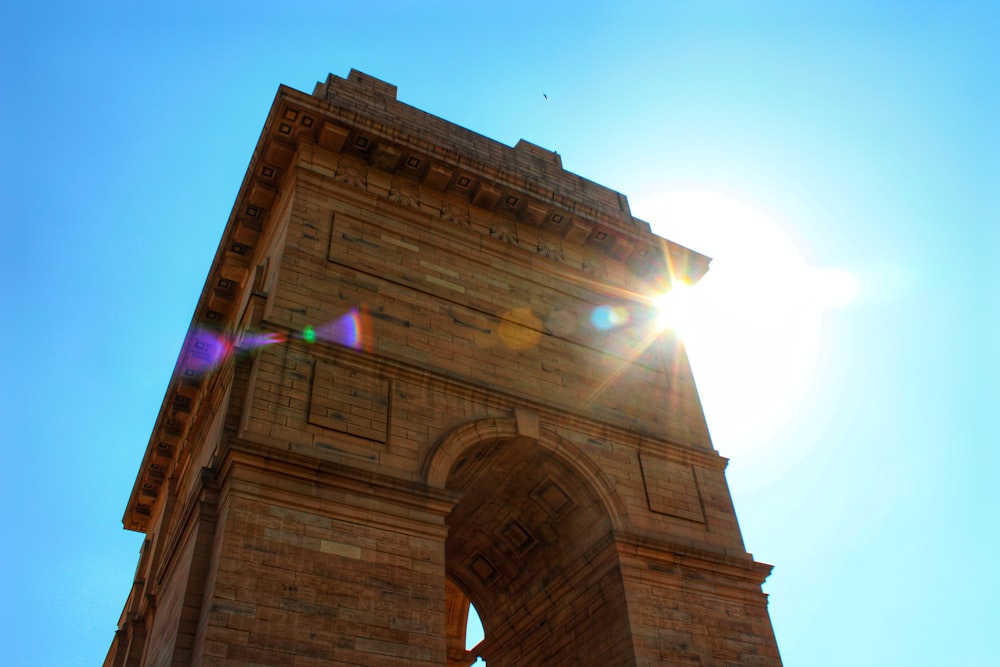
(426, 370)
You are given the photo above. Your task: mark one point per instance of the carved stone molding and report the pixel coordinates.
(504, 230)
(353, 173)
(455, 213)
(404, 195)
(594, 267)
(550, 250)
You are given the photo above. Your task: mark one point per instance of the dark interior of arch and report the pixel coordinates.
(531, 545)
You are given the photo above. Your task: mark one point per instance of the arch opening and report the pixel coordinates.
(464, 629)
(474, 633)
(531, 546)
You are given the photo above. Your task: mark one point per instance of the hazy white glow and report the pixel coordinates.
(675, 310)
(752, 324)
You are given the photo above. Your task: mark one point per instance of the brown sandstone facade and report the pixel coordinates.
(443, 420)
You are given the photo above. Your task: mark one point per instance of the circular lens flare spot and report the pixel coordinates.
(519, 329)
(608, 317)
(207, 349)
(561, 323)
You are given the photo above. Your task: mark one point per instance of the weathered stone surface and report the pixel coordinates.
(423, 372)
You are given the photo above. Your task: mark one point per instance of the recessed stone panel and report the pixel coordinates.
(671, 488)
(518, 537)
(483, 569)
(346, 400)
(552, 497)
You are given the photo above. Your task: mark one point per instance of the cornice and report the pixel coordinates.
(675, 559)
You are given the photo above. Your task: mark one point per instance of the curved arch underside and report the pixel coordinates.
(531, 544)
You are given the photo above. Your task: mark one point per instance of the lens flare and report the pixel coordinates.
(675, 309)
(520, 329)
(759, 313)
(832, 288)
(206, 350)
(346, 330)
(252, 341)
(605, 318)
(561, 323)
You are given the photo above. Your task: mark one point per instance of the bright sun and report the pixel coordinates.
(752, 324)
(675, 310)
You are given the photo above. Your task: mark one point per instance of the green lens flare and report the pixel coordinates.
(309, 335)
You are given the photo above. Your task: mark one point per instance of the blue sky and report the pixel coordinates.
(861, 134)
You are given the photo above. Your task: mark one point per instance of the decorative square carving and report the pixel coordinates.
(519, 538)
(552, 497)
(483, 569)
